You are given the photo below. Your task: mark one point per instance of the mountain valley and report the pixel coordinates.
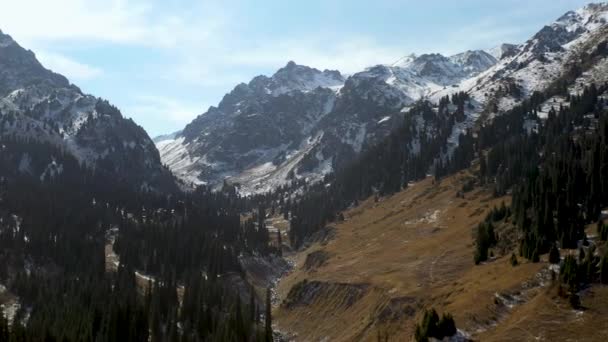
(436, 198)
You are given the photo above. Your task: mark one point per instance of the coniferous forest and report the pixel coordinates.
(178, 256)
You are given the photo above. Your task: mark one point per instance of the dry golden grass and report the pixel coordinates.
(412, 250)
(549, 318)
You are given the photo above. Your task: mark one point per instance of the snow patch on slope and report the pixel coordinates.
(174, 152)
(266, 177)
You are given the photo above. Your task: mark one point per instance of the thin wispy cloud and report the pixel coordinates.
(115, 21)
(165, 107)
(67, 66)
(485, 33)
(349, 55)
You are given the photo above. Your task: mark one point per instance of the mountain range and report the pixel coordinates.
(302, 123)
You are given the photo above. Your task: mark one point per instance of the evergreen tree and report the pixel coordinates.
(433, 326)
(514, 261)
(483, 242)
(4, 330)
(268, 317)
(279, 242)
(569, 272)
(554, 256)
(602, 230)
(604, 269)
(446, 326)
(482, 168)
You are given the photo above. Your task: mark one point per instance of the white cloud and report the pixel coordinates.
(114, 21)
(216, 65)
(73, 70)
(485, 33)
(197, 68)
(349, 55)
(179, 33)
(165, 108)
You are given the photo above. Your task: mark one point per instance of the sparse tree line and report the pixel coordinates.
(407, 154)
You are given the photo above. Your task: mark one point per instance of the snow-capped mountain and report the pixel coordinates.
(414, 77)
(255, 128)
(36, 103)
(295, 77)
(302, 122)
(537, 63)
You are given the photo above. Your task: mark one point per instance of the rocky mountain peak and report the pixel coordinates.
(292, 77)
(19, 68)
(428, 58)
(586, 16)
(405, 61)
(474, 62)
(503, 51)
(5, 40)
(437, 68)
(596, 7)
(567, 28)
(303, 78)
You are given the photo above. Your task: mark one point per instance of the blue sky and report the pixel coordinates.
(163, 62)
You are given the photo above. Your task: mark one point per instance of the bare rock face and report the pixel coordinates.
(306, 293)
(315, 260)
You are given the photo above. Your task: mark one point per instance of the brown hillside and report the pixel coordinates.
(392, 258)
